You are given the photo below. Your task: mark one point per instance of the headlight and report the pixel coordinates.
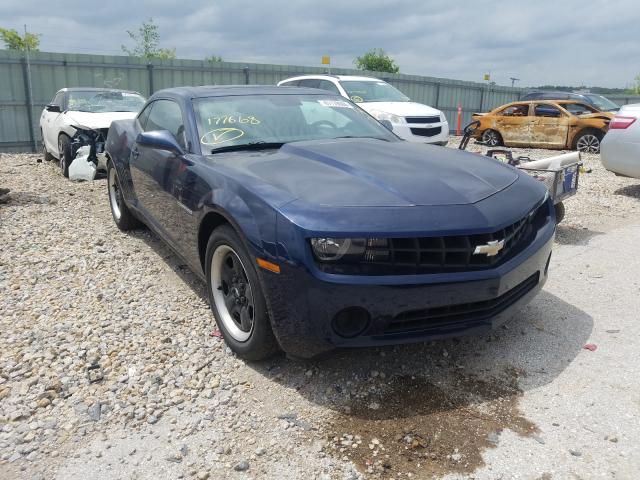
(332, 249)
(443, 119)
(380, 115)
(350, 249)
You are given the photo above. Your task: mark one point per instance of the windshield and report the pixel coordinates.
(603, 103)
(104, 101)
(275, 119)
(372, 91)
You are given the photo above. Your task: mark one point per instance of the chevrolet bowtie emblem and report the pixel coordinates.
(490, 249)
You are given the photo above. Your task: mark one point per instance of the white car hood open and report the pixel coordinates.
(402, 109)
(96, 120)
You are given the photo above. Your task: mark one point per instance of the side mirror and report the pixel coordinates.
(53, 108)
(160, 140)
(387, 125)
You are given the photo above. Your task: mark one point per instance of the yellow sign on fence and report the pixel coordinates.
(487, 77)
(326, 60)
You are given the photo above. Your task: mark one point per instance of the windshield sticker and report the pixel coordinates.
(221, 135)
(335, 103)
(231, 119)
(357, 99)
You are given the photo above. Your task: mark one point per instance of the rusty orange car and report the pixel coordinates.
(554, 124)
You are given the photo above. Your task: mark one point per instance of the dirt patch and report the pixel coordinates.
(425, 428)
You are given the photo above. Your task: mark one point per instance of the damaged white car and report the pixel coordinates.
(80, 117)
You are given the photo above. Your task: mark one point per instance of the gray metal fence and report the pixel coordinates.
(20, 112)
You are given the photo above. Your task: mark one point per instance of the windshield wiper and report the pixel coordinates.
(261, 145)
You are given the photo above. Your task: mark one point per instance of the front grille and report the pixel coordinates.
(435, 119)
(426, 132)
(449, 315)
(446, 254)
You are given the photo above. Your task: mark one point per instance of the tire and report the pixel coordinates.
(45, 153)
(124, 218)
(588, 141)
(491, 138)
(560, 212)
(236, 296)
(64, 154)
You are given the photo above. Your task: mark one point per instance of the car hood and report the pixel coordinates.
(371, 173)
(402, 109)
(96, 120)
(601, 115)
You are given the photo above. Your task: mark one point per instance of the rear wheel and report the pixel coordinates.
(121, 214)
(236, 297)
(64, 154)
(588, 141)
(491, 138)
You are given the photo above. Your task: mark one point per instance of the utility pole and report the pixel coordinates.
(514, 80)
(30, 88)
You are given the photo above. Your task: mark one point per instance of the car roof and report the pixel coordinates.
(542, 101)
(230, 90)
(95, 89)
(334, 77)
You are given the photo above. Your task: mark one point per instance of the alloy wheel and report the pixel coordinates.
(490, 138)
(63, 160)
(588, 143)
(115, 195)
(232, 293)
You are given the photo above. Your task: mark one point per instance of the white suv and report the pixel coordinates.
(411, 121)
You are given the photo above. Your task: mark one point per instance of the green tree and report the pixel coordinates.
(146, 42)
(376, 60)
(213, 59)
(13, 41)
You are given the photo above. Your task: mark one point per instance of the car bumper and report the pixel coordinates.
(433, 133)
(303, 304)
(619, 155)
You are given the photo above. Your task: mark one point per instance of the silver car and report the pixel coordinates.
(620, 148)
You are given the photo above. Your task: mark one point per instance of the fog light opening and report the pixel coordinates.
(351, 321)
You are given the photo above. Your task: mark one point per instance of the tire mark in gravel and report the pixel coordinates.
(427, 427)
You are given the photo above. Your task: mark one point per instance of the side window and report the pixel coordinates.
(309, 83)
(577, 108)
(293, 83)
(328, 86)
(144, 115)
(521, 110)
(166, 115)
(544, 110)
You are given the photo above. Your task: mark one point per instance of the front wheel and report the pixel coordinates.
(125, 220)
(64, 154)
(588, 142)
(560, 212)
(236, 297)
(491, 138)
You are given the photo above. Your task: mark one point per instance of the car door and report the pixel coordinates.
(48, 122)
(153, 170)
(550, 127)
(514, 124)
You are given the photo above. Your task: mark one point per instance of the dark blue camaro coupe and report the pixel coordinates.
(315, 227)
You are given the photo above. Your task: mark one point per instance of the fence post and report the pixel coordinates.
(150, 71)
(437, 96)
(26, 76)
(246, 75)
(481, 99)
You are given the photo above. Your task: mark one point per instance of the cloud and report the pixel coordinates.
(542, 42)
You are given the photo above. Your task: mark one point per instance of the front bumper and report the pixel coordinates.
(428, 132)
(303, 304)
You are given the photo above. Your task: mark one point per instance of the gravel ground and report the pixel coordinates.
(109, 369)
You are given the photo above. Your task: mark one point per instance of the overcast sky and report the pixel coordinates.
(595, 42)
